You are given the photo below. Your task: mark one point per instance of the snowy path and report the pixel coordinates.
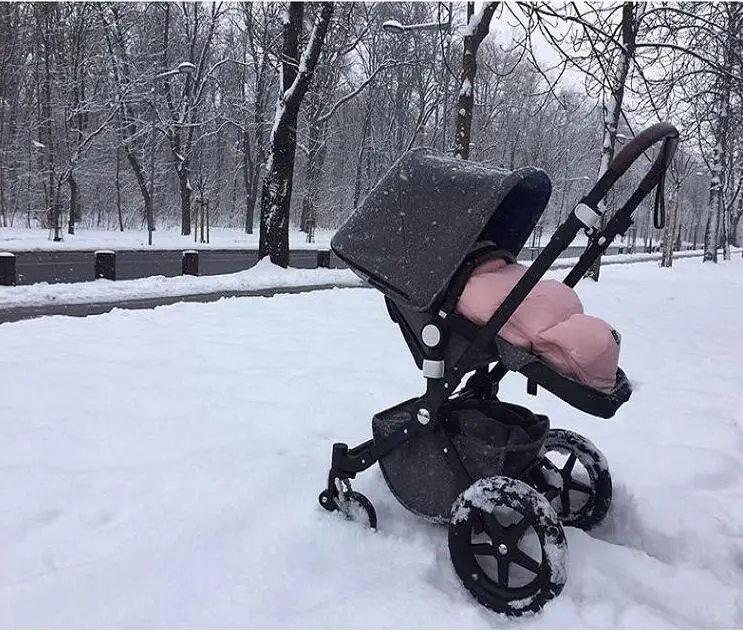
(161, 468)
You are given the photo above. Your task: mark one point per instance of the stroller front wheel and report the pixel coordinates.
(507, 545)
(353, 505)
(585, 497)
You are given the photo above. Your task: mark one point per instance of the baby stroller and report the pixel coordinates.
(503, 481)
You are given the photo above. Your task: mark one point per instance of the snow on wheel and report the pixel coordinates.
(585, 497)
(358, 508)
(507, 545)
(352, 505)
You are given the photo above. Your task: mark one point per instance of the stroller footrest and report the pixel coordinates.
(539, 373)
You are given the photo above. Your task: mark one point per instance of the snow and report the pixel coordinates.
(465, 90)
(161, 468)
(393, 25)
(471, 27)
(15, 239)
(261, 276)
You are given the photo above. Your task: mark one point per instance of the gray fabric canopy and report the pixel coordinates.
(414, 228)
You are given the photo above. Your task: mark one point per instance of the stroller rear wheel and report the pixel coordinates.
(585, 497)
(507, 545)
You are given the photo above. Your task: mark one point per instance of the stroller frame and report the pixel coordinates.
(491, 361)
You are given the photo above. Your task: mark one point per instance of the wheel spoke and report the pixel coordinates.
(484, 549)
(515, 532)
(519, 557)
(492, 526)
(565, 501)
(575, 485)
(569, 464)
(551, 493)
(503, 566)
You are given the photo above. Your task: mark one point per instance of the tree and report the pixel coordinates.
(701, 45)
(13, 111)
(127, 93)
(718, 210)
(185, 122)
(334, 68)
(681, 167)
(296, 74)
(256, 19)
(478, 26)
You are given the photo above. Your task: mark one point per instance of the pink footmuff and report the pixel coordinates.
(549, 323)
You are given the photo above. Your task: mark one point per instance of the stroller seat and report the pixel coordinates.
(538, 372)
(550, 322)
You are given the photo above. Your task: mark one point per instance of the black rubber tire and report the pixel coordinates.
(478, 506)
(357, 507)
(578, 448)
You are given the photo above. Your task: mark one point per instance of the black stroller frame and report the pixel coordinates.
(523, 479)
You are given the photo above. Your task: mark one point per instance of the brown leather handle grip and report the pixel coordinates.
(665, 132)
(641, 143)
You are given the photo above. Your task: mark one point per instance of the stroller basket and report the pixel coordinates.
(490, 437)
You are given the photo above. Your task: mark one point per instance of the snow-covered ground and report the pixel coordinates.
(161, 468)
(14, 239)
(262, 275)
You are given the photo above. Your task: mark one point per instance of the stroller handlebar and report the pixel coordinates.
(622, 219)
(665, 132)
(641, 143)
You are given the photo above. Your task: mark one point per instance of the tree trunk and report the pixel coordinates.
(253, 159)
(716, 188)
(3, 216)
(313, 173)
(362, 148)
(185, 186)
(669, 230)
(295, 78)
(139, 176)
(734, 240)
(735, 218)
(613, 110)
(477, 29)
(277, 193)
(118, 189)
(251, 175)
(715, 213)
(725, 233)
(401, 101)
(74, 203)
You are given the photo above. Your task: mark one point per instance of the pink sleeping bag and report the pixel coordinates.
(549, 323)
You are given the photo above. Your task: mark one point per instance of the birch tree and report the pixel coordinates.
(680, 169)
(701, 44)
(718, 210)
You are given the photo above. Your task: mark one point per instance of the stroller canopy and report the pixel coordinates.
(415, 227)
